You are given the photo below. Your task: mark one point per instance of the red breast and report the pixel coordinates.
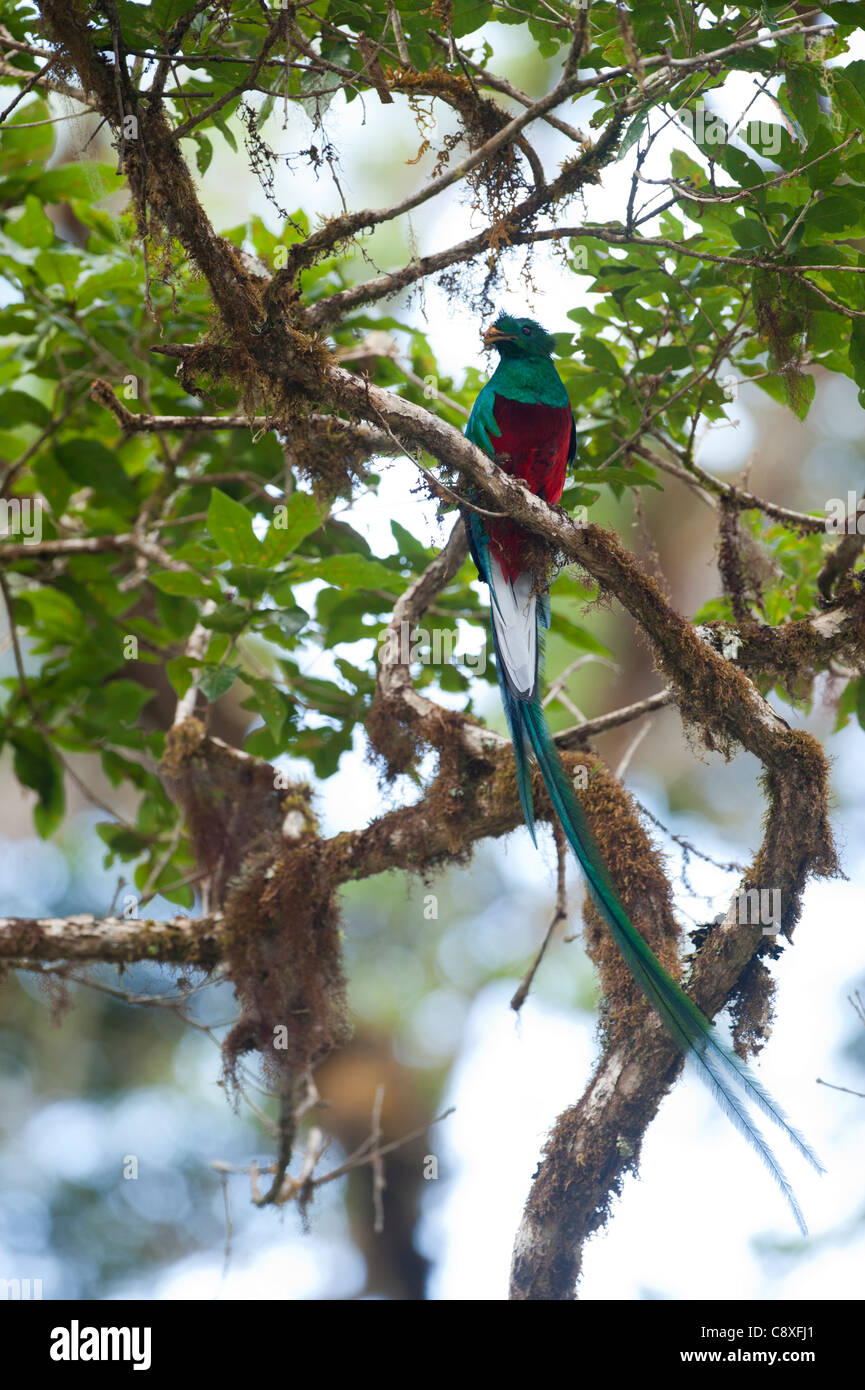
(533, 445)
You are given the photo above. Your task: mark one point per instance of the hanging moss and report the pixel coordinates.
(283, 953)
(258, 842)
(752, 1008)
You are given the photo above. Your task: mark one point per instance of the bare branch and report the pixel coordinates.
(187, 941)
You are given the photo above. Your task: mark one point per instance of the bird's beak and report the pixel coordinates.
(494, 335)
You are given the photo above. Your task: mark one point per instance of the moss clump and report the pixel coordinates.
(752, 1008)
(283, 951)
(393, 744)
(258, 843)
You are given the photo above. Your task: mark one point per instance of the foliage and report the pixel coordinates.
(753, 268)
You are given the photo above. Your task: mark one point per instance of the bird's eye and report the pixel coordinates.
(527, 332)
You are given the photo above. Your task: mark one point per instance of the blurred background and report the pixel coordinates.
(93, 1089)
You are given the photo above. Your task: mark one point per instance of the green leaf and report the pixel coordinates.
(292, 522)
(180, 672)
(744, 170)
(356, 572)
(749, 233)
(123, 700)
(576, 636)
(229, 617)
(165, 13)
(123, 841)
(799, 393)
(686, 169)
(616, 477)
(598, 355)
(217, 681)
(822, 159)
(89, 180)
(230, 525)
(20, 148)
(802, 87)
(848, 88)
(410, 549)
(634, 131)
(469, 15)
(836, 214)
(857, 352)
(58, 269)
(37, 767)
(221, 123)
(673, 357)
(91, 464)
(273, 705)
(283, 622)
(250, 581)
(20, 408)
(53, 612)
(32, 228)
(185, 582)
(203, 152)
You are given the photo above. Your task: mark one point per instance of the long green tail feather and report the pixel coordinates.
(718, 1066)
(715, 1063)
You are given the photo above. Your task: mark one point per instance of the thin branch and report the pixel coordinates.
(192, 942)
(579, 733)
(28, 86)
(735, 497)
(196, 650)
(501, 84)
(49, 84)
(560, 915)
(277, 31)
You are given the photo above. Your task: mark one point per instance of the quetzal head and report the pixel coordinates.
(517, 338)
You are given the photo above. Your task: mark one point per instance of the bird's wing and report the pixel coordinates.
(572, 447)
(482, 421)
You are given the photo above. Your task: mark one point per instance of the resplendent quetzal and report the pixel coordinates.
(523, 419)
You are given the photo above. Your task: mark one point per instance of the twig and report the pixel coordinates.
(277, 31)
(379, 1181)
(554, 691)
(196, 649)
(560, 915)
(356, 1161)
(229, 1228)
(573, 737)
(631, 750)
(845, 1089)
(32, 82)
